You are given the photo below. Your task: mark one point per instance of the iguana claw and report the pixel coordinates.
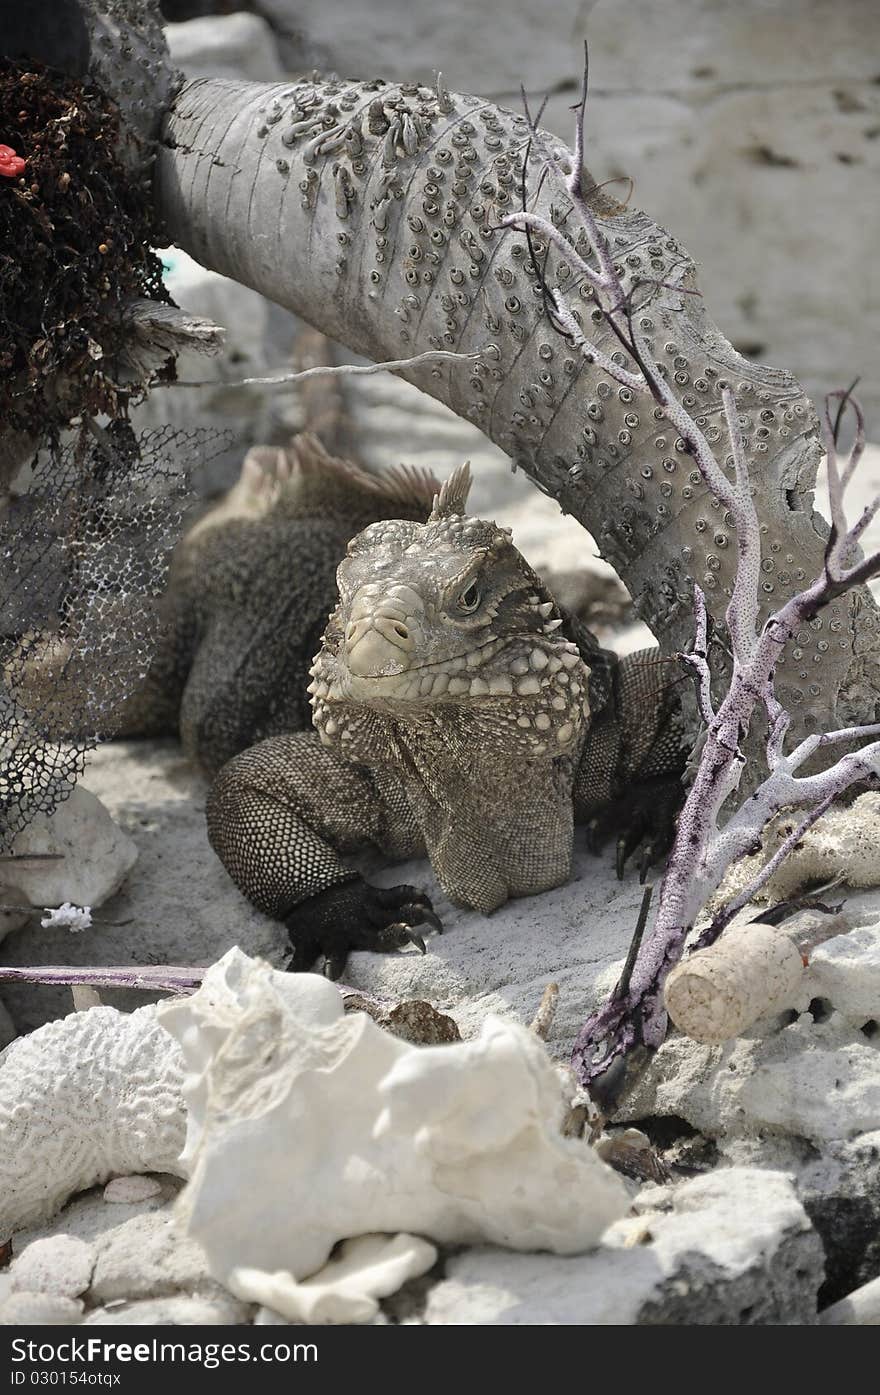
(355, 915)
(413, 937)
(427, 915)
(646, 823)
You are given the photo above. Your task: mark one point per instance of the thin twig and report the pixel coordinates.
(338, 370)
(635, 944)
(543, 1018)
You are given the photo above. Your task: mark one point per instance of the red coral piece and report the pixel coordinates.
(11, 165)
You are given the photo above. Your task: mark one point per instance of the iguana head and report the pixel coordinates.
(442, 621)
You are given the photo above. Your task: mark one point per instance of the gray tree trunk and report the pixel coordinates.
(372, 211)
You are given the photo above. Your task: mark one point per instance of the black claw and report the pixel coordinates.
(334, 965)
(645, 862)
(354, 915)
(620, 860)
(400, 934)
(422, 915)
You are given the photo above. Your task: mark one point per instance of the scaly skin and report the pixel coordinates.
(456, 715)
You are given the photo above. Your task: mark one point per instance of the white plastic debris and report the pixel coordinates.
(67, 917)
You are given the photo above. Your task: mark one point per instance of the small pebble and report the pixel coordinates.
(125, 1190)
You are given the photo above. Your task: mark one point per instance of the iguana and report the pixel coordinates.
(458, 713)
(251, 586)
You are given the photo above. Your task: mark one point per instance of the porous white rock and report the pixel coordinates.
(813, 1080)
(40, 1310)
(58, 1264)
(718, 992)
(92, 1095)
(846, 971)
(348, 1288)
(148, 1257)
(94, 857)
(844, 843)
(731, 1247)
(360, 1132)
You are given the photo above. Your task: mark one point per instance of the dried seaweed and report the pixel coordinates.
(76, 231)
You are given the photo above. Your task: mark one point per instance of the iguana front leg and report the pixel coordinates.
(279, 816)
(629, 781)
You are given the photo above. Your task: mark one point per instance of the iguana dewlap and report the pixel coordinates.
(457, 713)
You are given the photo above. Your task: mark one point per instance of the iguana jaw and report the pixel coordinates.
(526, 692)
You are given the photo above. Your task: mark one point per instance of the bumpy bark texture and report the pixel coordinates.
(372, 211)
(127, 57)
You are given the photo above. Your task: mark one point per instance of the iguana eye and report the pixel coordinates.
(470, 598)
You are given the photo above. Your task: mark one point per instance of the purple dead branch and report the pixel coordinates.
(157, 978)
(634, 1014)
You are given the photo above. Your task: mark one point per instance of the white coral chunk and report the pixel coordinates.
(87, 1097)
(307, 1127)
(843, 843)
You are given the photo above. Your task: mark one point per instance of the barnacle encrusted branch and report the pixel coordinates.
(635, 1013)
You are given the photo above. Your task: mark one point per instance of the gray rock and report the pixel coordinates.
(147, 1257)
(60, 1265)
(239, 45)
(733, 1248)
(181, 908)
(479, 50)
(839, 1187)
(180, 1310)
(736, 124)
(40, 1310)
(94, 857)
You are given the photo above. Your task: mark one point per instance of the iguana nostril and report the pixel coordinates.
(402, 631)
